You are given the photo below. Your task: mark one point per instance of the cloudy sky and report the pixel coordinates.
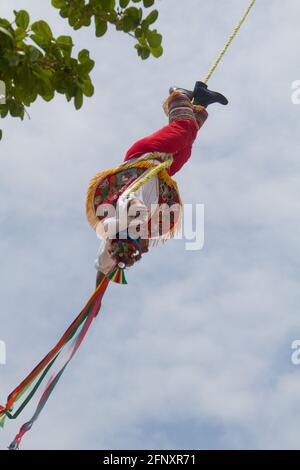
(196, 351)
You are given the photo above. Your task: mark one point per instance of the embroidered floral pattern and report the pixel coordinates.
(112, 186)
(163, 220)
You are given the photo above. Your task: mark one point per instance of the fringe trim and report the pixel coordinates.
(96, 180)
(153, 242)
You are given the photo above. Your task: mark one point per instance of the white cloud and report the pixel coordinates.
(195, 351)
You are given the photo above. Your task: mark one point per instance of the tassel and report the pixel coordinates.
(117, 275)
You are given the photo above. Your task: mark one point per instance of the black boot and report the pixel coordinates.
(202, 95)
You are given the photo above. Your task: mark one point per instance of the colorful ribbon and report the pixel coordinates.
(76, 332)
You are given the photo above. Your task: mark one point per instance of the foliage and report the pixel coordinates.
(124, 16)
(34, 63)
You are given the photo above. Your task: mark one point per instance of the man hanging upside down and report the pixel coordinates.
(127, 208)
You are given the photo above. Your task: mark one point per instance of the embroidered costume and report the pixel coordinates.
(138, 204)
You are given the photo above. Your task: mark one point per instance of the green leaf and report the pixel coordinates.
(86, 67)
(157, 51)
(65, 40)
(34, 54)
(101, 27)
(152, 17)
(45, 89)
(64, 12)
(88, 88)
(20, 34)
(42, 29)
(58, 81)
(58, 3)
(83, 56)
(22, 19)
(30, 97)
(5, 23)
(154, 39)
(6, 32)
(3, 110)
(78, 101)
(148, 3)
(124, 3)
(1, 134)
(128, 24)
(25, 78)
(73, 16)
(143, 52)
(134, 14)
(40, 41)
(108, 5)
(46, 93)
(138, 33)
(66, 44)
(43, 75)
(86, 21)
(15, 109)
(113, 17)
(68, 96)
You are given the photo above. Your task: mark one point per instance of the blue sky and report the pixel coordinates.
(195, 351)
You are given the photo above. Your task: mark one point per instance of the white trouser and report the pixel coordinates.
(143, 201)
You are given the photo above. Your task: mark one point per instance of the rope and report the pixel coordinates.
(228, 43)
(154, 171)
